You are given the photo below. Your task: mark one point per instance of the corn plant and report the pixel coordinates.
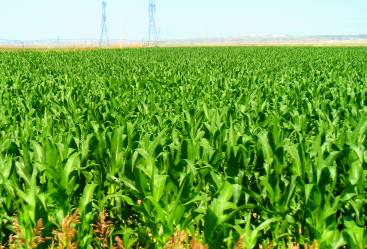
(184, 147)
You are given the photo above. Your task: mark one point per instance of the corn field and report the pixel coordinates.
(252, 147)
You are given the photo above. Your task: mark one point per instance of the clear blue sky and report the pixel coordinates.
(177, 19)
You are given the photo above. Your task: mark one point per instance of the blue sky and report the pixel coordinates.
(180, 19)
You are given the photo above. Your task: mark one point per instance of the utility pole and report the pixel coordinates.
(152, 31)
(104, 40)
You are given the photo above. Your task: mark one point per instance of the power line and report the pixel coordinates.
(152, 31)
(104, 40)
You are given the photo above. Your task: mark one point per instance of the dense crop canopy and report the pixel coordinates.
(231, 146)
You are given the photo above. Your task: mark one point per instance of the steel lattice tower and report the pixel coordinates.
(152, 32)
(104, 40)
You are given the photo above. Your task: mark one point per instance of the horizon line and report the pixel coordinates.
(234, 37)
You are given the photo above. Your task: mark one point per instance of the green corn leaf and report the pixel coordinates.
(87, 197)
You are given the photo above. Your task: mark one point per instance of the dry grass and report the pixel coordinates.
(118, 243)
(65, 237)
(37, 239)
(102, 233)
(102, 230)
(179, 241)
(18, 239)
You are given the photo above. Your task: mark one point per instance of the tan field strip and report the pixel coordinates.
(79, 46)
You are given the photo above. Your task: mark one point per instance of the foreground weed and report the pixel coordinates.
(102, 230)
(181, 240)
(19, 240)
(65, 238)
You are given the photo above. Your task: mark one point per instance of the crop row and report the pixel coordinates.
(232, 147)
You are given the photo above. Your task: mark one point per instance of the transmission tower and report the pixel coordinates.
(104, 40)
(152, 32)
